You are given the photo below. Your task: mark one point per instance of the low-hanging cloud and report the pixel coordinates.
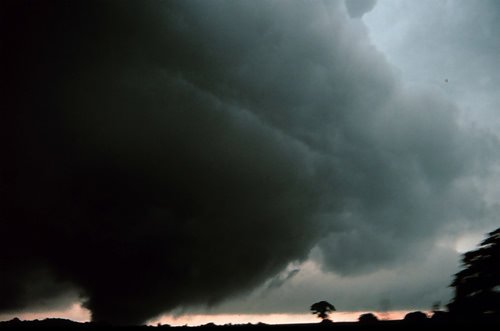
(357, 8)
(166, 154)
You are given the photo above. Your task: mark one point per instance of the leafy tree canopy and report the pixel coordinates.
(477, 286)
(322, 309)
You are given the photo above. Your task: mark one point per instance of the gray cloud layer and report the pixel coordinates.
(179, 153)
(357, 8)
(458, 43)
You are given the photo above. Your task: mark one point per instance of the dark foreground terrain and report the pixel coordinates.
(433, 324)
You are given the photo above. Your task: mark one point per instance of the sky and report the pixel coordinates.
(177, 159)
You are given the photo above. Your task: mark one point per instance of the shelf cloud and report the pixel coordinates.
(164, 154)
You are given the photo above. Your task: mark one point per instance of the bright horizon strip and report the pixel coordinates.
(75, 313)
(282, 318)
(79, 314)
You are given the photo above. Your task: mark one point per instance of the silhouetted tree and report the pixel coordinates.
(322, 309)
(415, 317)
(367, 318)
(477, 286)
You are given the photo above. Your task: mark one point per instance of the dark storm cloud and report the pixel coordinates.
(138, 167)
(165, 154)
(404, 187)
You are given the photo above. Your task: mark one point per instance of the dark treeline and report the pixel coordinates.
(483, 323)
